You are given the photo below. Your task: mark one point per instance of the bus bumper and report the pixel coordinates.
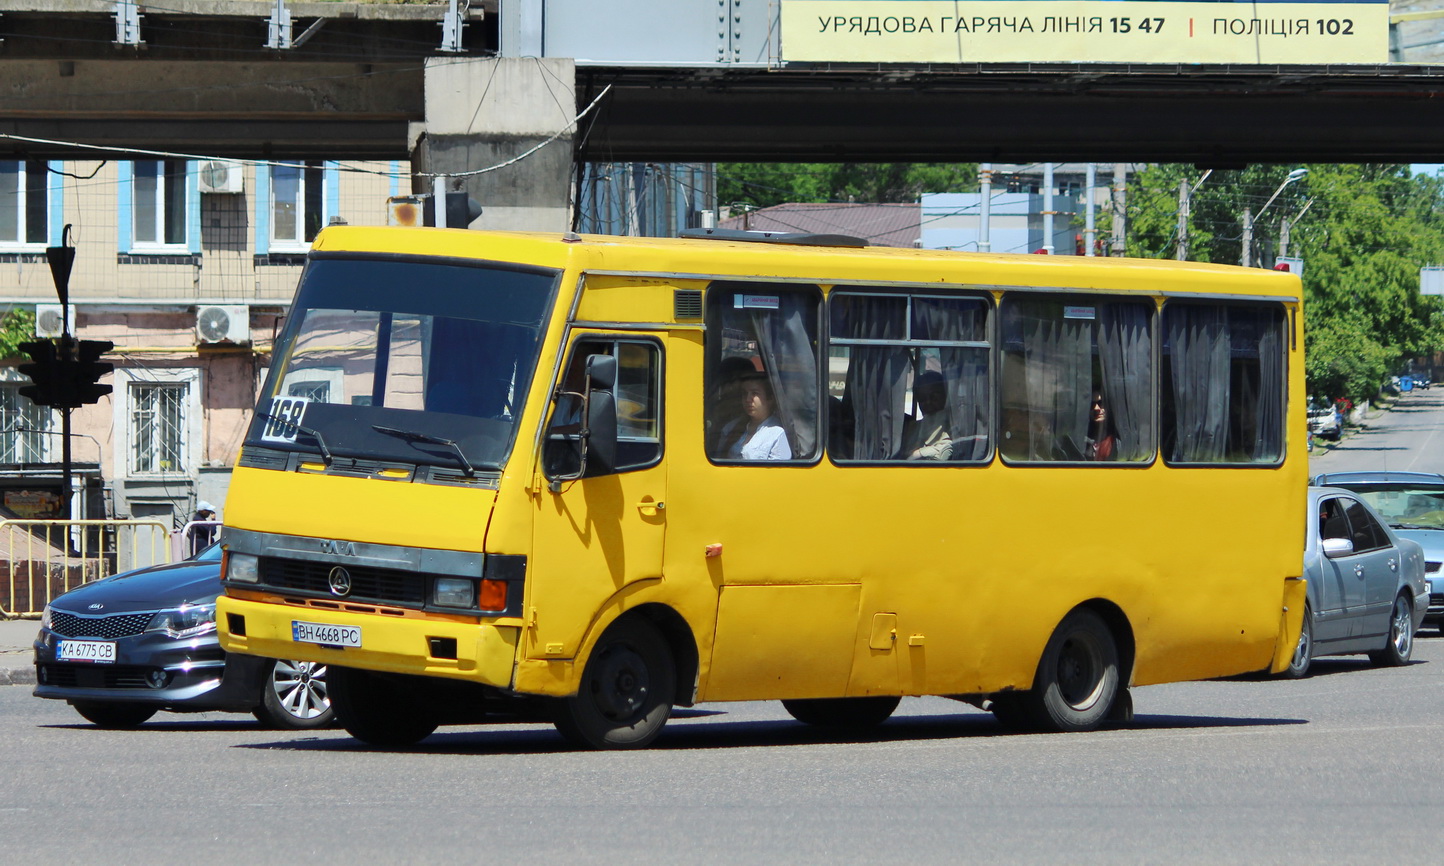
(483, 652)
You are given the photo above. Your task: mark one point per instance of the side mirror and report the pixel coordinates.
(1337, 547)
(599, 440)
(593, 449)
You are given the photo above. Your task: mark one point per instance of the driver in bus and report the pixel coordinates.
(757, 435)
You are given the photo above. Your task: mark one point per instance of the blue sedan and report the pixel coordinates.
(120, 650)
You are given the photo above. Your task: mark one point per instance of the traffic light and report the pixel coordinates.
(44, 372)
(65, 375)
(88, 370)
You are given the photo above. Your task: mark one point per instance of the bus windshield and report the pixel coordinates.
(420, 362)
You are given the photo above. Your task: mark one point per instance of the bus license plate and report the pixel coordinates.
(98, 651)
(330, 635)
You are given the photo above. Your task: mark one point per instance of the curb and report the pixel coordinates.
(17, 677)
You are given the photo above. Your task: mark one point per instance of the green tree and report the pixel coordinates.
(16, 327)
(759, 184)
(1363, 232)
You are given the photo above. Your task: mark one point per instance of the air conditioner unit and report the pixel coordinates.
(223, 325)
(221, 175)
(48, 322)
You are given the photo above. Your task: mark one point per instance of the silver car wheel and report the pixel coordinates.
(1401, 630)
(1401, 636)
(300, 688)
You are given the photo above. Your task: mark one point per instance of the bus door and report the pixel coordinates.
(595, 535)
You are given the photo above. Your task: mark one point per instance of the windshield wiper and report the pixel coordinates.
(1413, 526)
(314, 434)
(412, 436)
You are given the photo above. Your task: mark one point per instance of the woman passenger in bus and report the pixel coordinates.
(757, 435)
(1102, 439)
(928, 437)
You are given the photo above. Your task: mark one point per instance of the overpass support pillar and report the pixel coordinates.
(482, 112)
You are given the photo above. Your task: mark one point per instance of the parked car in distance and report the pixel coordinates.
(1412, 503)
(1366, 588)
(1324, 423)
(121, 649)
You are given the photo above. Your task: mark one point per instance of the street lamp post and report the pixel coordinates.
(1249, 218)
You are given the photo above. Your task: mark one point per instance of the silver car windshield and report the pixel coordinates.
(1406, 506)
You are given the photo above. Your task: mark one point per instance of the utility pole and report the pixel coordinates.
(1090, 227)
(1245, 258)
(985, 185)
(1120, 201)
(1181, 252)
(1048, 209)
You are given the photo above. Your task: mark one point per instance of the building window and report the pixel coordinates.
(24, 202)
(23, 427)
(158, 428)
(297, 204)
(158, 204)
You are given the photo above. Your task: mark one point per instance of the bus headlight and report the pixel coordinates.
(242, 568)
(454, 592)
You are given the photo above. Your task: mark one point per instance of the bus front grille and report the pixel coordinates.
(372, 584)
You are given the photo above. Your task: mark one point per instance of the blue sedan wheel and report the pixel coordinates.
(295, 696)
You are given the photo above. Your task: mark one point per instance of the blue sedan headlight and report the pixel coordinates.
(188, 620)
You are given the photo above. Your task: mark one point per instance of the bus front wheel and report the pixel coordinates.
(1077, 679)
(626, 692)
(379, 710)
(845, 713)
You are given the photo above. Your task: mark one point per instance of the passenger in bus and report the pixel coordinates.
(726, 407)
(757, 435)
(928, 437)
(1102, 437)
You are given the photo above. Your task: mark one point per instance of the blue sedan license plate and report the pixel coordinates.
(97, 651)
(330, 635)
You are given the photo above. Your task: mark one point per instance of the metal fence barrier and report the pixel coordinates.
(41, 559)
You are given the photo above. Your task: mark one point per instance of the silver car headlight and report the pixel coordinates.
(242, 568)
(188, 620)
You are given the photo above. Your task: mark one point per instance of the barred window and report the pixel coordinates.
(158, 427)
(23, 427)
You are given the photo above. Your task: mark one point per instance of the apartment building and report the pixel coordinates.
(187, 266)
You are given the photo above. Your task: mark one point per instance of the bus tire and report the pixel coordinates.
(111, 716)
(626, 692)
(855, 714)
(1400, 646)
(1077, 680)
(1304, 650)
(379, 710)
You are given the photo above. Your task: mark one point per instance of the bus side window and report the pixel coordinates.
(1077, 379)
(908, 377)
(638, 395)
(762, 338)
(1223, 383)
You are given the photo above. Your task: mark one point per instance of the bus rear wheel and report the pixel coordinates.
(379, 710)
(626, 692)
(846, 713)
(1077, 680)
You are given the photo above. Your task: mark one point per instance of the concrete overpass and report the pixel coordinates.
(380, 81)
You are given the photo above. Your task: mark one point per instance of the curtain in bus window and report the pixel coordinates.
(1125, 350)
(785, 344)
(1268, 438)
(877, 376)
(1057, 381)
(467, 372)
(964, 369)
(1199, 339)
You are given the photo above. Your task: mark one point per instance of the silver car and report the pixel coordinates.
(1366, 588)
(1412, 503)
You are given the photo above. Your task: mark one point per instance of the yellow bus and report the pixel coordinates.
(587, 479)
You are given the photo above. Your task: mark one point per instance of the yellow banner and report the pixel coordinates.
(1082, 31)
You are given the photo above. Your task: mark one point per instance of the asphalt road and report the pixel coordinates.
(1342, 767)
(1408, 437)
